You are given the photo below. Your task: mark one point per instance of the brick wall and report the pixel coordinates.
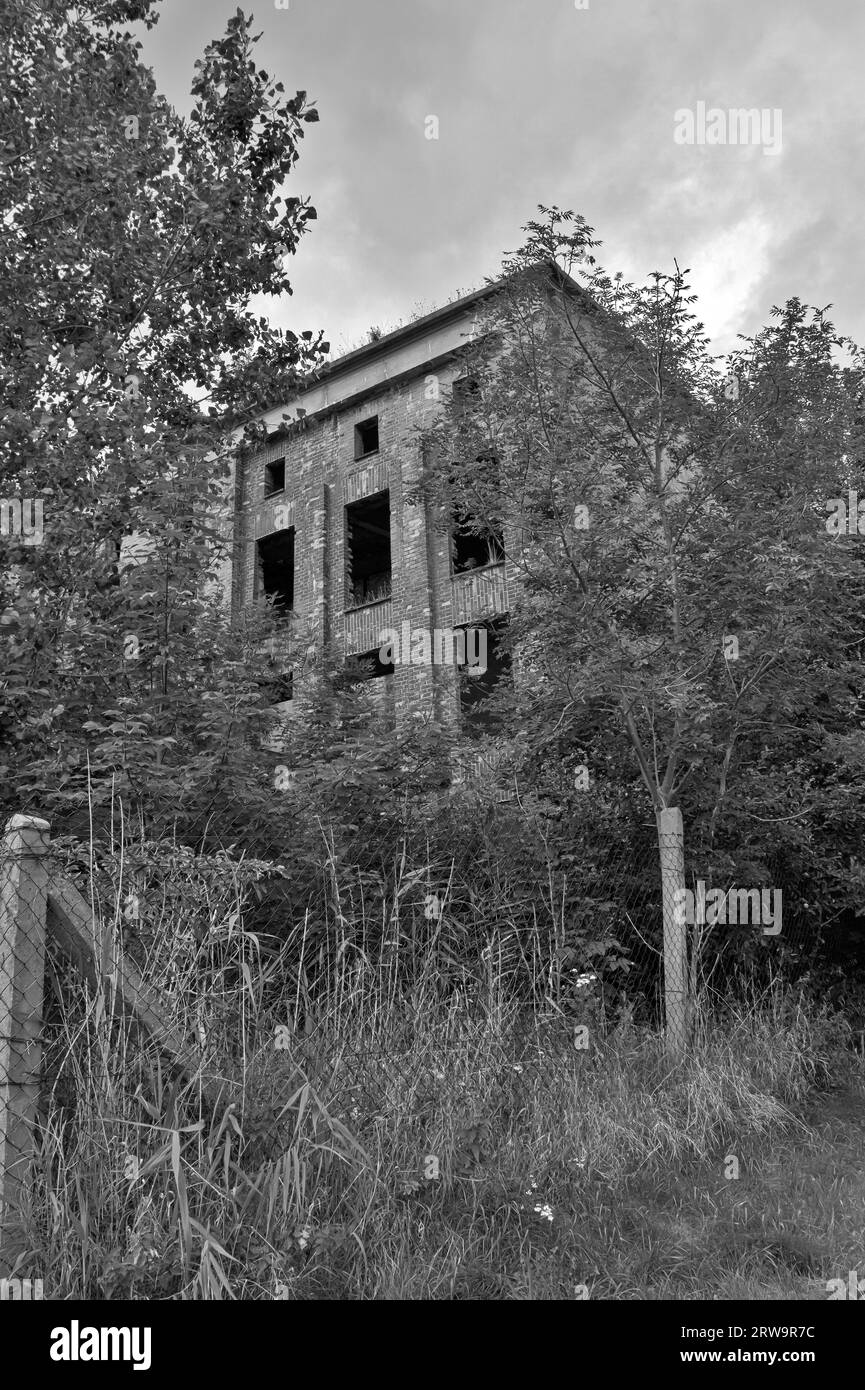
(321, 478)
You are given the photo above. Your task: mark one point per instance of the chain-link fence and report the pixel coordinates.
(377, 981)
(41, 911)
(23, 901)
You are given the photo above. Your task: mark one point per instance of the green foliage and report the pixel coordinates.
(428, 1147)
(655, 507)
(132, 241)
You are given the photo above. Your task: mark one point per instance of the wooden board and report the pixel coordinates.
(72, 924)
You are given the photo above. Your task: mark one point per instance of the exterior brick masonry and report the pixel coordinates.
(403, 380)
(321, 478)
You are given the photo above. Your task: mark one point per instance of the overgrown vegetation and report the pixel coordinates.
(429, 1029)
(421, 1138)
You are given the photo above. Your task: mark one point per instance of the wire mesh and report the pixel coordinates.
(340, 971)
(22, 928)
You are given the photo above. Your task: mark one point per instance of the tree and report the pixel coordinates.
(130, 368)
(679, 605)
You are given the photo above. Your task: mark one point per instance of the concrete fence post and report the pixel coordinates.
(671, 846)
(23, 912)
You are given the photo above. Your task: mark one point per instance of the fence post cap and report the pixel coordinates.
(32, 829)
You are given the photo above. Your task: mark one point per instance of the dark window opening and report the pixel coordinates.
(470, 551)
(367, 544)
(477, 718)
(274, 477)
(278, 687)
(366, 437)
(367, 666)
(274, 573)
(465, 389)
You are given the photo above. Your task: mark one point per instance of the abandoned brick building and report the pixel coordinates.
(326, 525)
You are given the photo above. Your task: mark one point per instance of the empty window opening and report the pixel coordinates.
(366, 437)
(367, 543)
(274, 572)
(367, 666)
(274, 477)
(470, 551)
(278, 686)
(475, 691)
(466, 390)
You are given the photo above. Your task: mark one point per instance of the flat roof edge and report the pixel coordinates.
(419, 328)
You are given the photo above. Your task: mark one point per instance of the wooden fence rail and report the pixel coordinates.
(36, 899)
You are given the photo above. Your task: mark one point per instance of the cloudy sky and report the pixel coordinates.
(538, 101)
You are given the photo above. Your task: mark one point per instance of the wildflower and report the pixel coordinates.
(544, 1210)
(432, 907)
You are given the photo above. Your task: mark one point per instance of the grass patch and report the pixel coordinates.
(378, 1144)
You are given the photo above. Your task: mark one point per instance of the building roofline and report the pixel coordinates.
(311, 417)
(369, 352)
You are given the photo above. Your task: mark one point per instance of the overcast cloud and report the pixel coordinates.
(546, 103)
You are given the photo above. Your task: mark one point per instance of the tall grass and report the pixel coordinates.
(377, 1117)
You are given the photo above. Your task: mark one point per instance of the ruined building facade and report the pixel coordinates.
(327, 524)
